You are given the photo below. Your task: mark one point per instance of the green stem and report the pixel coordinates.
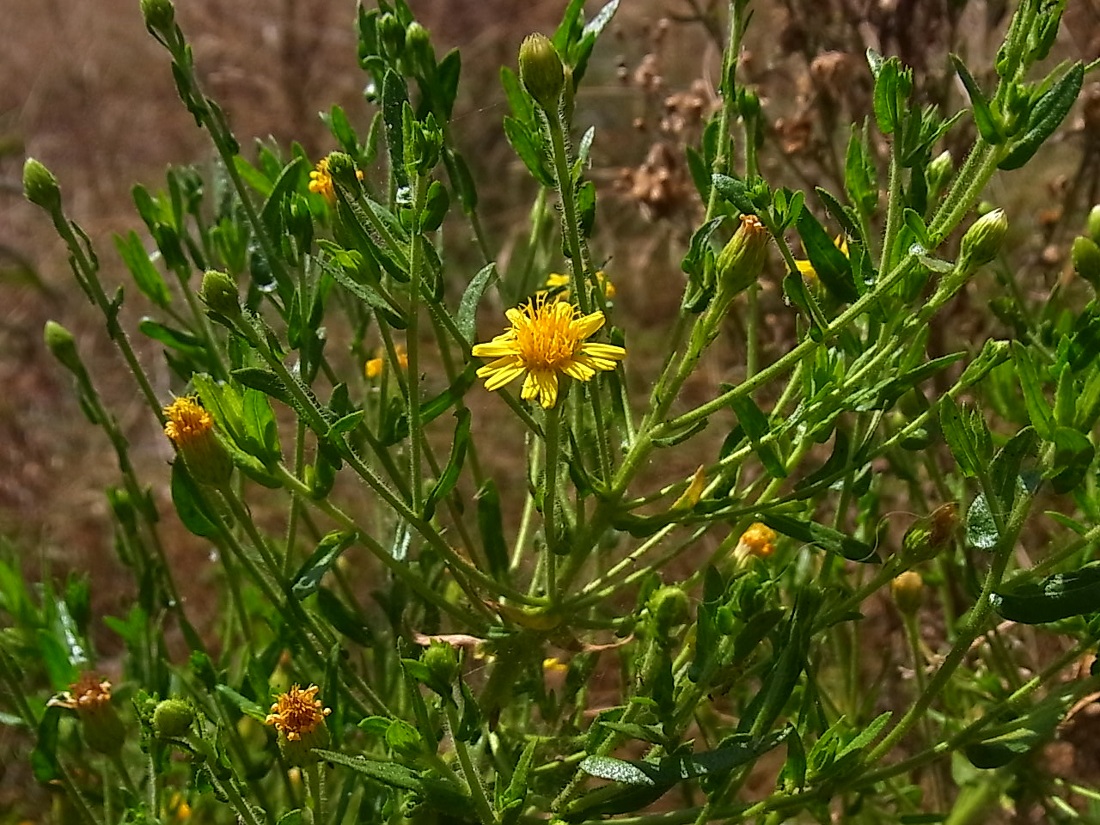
(469, 771)
(412, 341)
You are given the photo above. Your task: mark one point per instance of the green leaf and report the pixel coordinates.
(1005, 471)
(146, 276)
(529, 148)
(271, 211)
(328, 550)
(824, 537)
(387, 773)
(520, 102)
(1047, 114)
(393, 315)
(395, 95)
(189, 504)
(1073, 455)
(490, 523)
(756, 427)
(449, 477)
(446, 86)
(984, 119)
(265, 381)
(981, 529)
(342, 619)
(44, 762)
(1038, 409)
(885, 94)
(241, 703)
(466, 318)
(831, 265)
(967, 436)
(860, 175)
(735, 191)
(1055, 597)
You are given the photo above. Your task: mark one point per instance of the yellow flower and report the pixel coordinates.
(191, 429)
(297, 712)
(546, 338)
(374, 366)
(757, 540)
(807, 268)
(558, 281)
(320, 180)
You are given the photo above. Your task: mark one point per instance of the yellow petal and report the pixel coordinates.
(583, 327)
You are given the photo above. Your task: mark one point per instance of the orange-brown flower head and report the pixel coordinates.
(90, 697)
(740, 261)
(298, 712)
(191, 428)
(758, 540)
(546, 339)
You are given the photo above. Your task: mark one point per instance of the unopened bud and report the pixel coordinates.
(908, 591)
(40, 186)
(740, 262)
(1092, 225)
(928, 536)
(63, 347)
(392, 36)
(418, 49)
(939, 170)
(160, 15)
(441, 659)
(219, 292)
(541, 70)
(1086, 260)
(172, 717)
(341, 168)
(983, 239)
(669, 607)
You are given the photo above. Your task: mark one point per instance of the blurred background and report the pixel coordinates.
(85, 89)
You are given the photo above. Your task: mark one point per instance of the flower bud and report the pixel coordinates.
(340, 168)
(63, 347)
(1086, 260)
(160, 15)
(418, 49)
(669, 607)
(928, 536)
(392, 36)
(1092, 225)
(219, 292)
(441, 659)
(191, 429)
(908, 591)
(172, 717)
(758, 541)
(740, 262)
(983, 240)
(939, 170)
(541, 70)
(40, 186)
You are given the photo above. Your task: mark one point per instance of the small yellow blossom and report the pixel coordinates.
(320, 180)
(757, 540)
(807, 269)
(560, 282)
(554, 665)
(374, 366)
(191, 428)
(178, 808)
(297, 712)
(546, 338)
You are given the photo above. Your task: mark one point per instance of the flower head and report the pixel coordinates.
(320, 180)
(90, 697)
(191, 428)
(758, 540)
(297, 712)
(87, 695)
(559, 284)
(374, 366)
(546, 338)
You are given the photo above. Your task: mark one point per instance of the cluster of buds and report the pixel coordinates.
(1086, 250)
